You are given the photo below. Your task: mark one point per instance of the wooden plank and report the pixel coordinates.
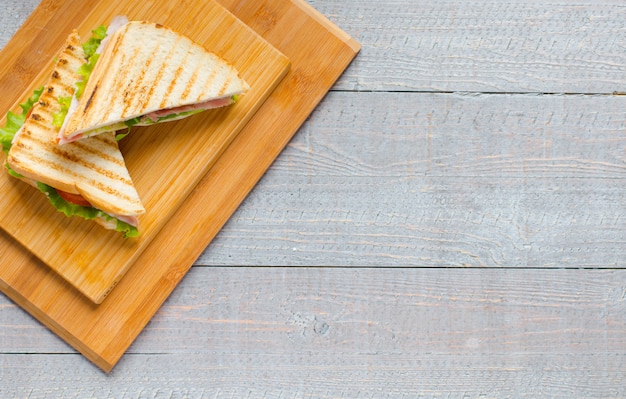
(328, 332)
(107, 330)
(439, 180)
(82, 252)
(455, 45)
(311, 375)
(523, 332)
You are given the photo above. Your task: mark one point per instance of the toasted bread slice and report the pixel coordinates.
(145, 68)
(93, 168)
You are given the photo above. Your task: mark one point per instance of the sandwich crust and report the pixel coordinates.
(146, 67)
(93, 167)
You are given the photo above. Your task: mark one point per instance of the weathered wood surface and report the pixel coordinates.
(353, 332)
(446, 144)
(434, 179)
(541, 46)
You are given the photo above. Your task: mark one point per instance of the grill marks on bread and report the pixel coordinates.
(146, 67)
(94, 165)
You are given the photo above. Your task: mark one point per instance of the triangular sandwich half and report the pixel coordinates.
(145, 73)
(88, 178)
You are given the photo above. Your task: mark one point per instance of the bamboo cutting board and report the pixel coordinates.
(166, 161)
(319, 52)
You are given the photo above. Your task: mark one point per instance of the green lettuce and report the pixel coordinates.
(145, 121)
(13, 124)
(119, 136)
(86, 212)
(90, 47)
(59, 117)
(141, 120)
(85, 71)
(15, 121)
(174, 116)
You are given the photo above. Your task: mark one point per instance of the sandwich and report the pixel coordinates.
(65, 141)
(140, 73)
(87, 178)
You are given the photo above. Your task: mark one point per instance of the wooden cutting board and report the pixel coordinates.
(319, 52)
(166, 161)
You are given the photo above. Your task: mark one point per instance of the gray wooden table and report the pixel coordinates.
(449, 222)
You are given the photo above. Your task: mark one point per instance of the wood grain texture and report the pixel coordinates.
(537, 199)
(486, 46)
(102, 333)
(333, 332)
(384, 179)
(81, 252)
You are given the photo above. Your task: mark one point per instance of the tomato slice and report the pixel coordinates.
(75, 199)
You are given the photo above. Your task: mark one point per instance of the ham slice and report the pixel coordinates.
(162, 113)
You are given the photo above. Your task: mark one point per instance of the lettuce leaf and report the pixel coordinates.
(90, 47)
(85, 71)
(132, 122)
(86, 212)
(119, 136)
(12, 126)
(179, 115)
(142, 121)
(59, 117)
(15, 121)
(146, 121)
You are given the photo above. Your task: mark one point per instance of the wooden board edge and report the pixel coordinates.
(180, 269)
(97, 294)
(99, 297)
(109, 357)
(55, 327)
(328, 24)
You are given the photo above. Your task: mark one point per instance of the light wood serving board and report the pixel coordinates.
(318, 51)
(166, 161)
